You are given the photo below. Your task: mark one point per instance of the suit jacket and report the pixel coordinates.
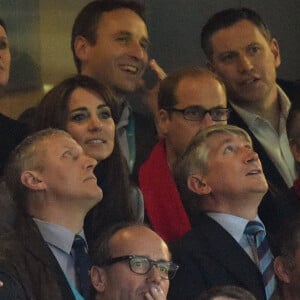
(29, 268)
(11, 134)
(145, 140)
(208, 256)
(272, 210)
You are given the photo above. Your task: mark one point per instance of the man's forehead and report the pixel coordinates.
(122, 19)
(221, 138)
(131, 240)
(61, 141)
(240, 32)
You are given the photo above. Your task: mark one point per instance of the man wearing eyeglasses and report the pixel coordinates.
(190, 99)
(132, 262)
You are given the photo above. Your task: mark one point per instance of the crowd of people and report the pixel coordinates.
(196, 199)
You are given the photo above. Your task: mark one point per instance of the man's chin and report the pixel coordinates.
(123, 90)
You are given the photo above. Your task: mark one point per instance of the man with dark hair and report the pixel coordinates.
(52, 182)
(241, 50)
(130, 261)
(110, 43)
(221, 183)
(190, 99)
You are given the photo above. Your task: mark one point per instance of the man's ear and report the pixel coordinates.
(98, 278)
(276, 52)
(281, 270)
(163, 120)
(33, 180)
(81, 47)
(198, 184)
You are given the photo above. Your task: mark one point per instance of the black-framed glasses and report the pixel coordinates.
(197, 113)
(142, 265)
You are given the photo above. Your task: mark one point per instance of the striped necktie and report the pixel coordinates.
(257, 232)
(82, 264)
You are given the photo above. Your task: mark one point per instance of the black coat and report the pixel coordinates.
(208, 256)
(28, 268)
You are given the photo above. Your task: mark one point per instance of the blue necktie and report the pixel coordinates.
(82, 264)
(257, 232)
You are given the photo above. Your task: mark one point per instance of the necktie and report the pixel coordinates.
(257, 232)
(82, 264)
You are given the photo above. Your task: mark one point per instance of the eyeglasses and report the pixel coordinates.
(197, 113)
(142, 265)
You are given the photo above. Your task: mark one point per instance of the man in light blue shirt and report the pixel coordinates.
(52, 181)
(221, 182)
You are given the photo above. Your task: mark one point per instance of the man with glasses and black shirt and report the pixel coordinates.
(130, 261)
(190, 99)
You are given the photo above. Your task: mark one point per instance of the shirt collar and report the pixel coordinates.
(56, 235)
(250, 117)
(234, 225)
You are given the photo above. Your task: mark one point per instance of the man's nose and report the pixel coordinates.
(250, 156)
(244, 63)
(137, 51)
(154, 276)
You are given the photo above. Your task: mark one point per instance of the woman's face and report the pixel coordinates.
(90, 123)
(4, 57)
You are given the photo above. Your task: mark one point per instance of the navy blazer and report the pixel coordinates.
(28, 266)
(208, 256)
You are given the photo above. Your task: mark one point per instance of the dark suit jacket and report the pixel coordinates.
(208, 256)
(145, 140)
(11, 134)
(272, 211)
(28, 267)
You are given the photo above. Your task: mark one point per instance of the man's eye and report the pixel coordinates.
(163, 269)
(254, 49)
(193, 112)
(138, 264)
(123, 39)
(145, 45)
(228, 58)
(228, 149)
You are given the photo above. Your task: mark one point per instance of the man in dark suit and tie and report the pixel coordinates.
(52, 182)
(221, 182)
(241, 49)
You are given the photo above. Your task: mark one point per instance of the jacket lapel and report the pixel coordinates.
(228, 253)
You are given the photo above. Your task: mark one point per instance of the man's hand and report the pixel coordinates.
(150, 96)
(156, 293)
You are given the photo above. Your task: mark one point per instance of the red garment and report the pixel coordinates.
(163, 205)
(297, 187)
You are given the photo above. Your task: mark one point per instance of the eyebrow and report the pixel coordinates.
(128, 33)
(85, 108)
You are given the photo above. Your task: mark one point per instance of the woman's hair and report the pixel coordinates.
(112, 173)
(2, 23)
